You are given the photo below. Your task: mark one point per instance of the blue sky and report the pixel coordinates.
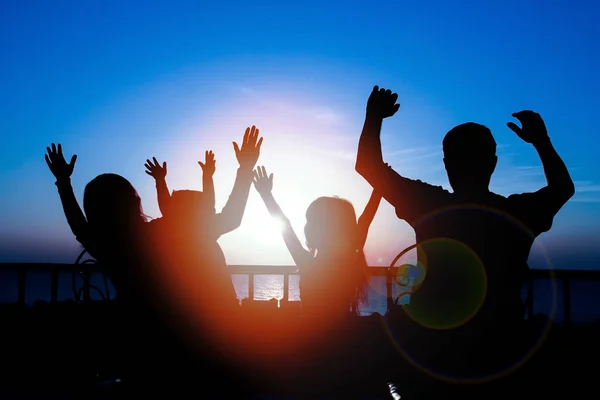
(118, 82)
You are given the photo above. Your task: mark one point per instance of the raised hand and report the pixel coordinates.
(155, 170)
(382, 103)
(209, 166)
(57, 164)
(262, 182)
(533, 128)
(247, 156)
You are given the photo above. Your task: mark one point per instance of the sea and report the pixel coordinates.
(548, 294)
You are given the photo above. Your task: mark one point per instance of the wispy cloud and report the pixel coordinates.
(585, 199)
(415, 156)
(586, 192)
(586, 187)
(268, 99)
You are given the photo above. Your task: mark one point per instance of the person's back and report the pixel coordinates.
(189, 247)
(474, 252)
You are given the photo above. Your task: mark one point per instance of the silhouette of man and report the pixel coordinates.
(471, 224)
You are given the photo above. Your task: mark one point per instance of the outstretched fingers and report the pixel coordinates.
(246, 136)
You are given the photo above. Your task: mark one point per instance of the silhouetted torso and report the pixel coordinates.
(197, 253)
(324, 289)
(499, 230)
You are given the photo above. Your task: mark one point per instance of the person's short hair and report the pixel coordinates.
(468, 141)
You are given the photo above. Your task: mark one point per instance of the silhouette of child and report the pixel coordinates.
(159, 173)
(194, 265)
(333, 269)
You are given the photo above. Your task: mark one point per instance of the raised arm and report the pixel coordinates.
(410, 198)
(62, 172)
(159, 173)
(264, 187)
(560, 187)
(364, 221)
(209, 166)
(231, 217)
(369, 159)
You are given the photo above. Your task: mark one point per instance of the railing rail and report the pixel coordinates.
(563, 277)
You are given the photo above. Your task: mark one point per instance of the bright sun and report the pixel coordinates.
(305, 147)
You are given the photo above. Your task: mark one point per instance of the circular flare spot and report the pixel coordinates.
(449, 285)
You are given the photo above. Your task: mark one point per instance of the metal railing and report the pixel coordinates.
(85, 271)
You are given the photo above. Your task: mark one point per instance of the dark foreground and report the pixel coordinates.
(78, 351)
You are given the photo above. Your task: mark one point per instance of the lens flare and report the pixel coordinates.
(415, 328)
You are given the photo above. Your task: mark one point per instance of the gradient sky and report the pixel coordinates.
(118, 82)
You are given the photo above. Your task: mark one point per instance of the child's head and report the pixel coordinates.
(331, 225)
(189, 207)
(112, 205)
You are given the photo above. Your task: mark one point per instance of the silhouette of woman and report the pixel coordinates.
(112, 229)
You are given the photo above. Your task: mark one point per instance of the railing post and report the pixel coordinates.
(567, 298)
(251, 286)
(86, 285)
(388, 289)
(286, 287)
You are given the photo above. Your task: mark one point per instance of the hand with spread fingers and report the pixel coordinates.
(155, 170)
(263, 182)
(209, 166)
(248, 154)
(57, 163)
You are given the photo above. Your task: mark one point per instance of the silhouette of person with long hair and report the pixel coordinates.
(498, 230)
(112, 229)
(333, 283)
(333, 272)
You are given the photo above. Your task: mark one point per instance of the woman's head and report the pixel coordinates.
(112, 205)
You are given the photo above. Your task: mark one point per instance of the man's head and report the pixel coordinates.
(470, 157)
